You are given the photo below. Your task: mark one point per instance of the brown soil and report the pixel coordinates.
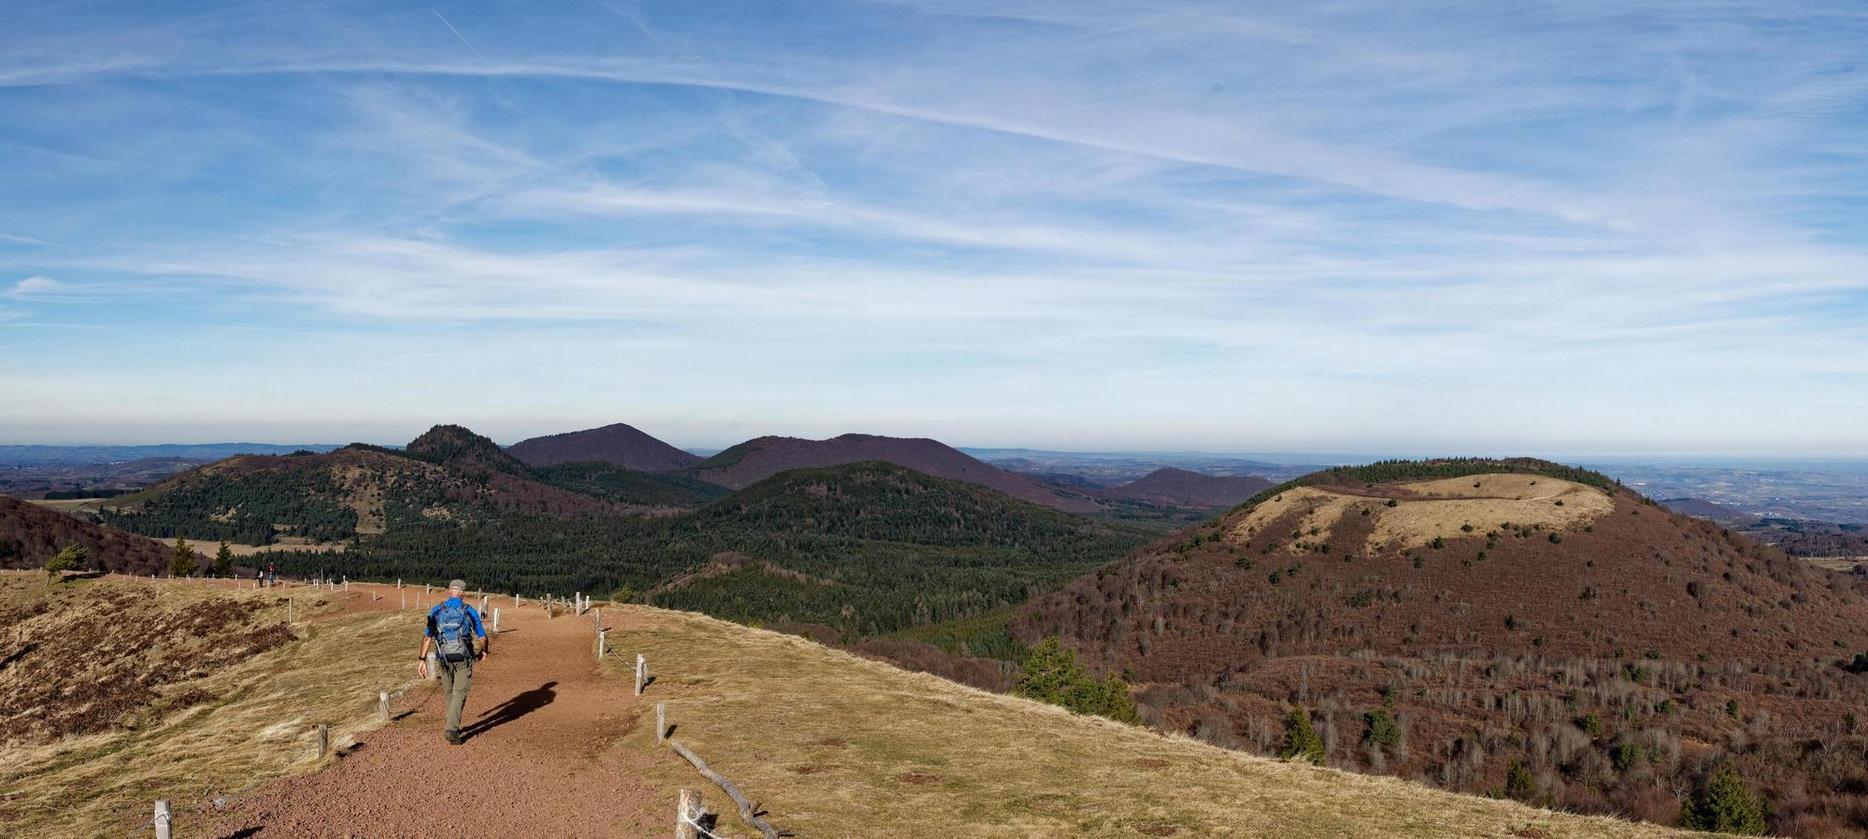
(543, 756)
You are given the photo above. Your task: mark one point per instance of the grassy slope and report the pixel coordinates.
(258, 726)
(835, 745)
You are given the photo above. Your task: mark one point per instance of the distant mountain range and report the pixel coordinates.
(1180, 488)
(40, 455)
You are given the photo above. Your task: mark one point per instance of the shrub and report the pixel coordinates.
(1300, 738)
(1519, 784)
(1724, 805)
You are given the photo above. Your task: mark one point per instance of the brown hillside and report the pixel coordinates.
(30, 535)
(755, 460)
(1172, 487)
(616, 444)
(1492, 613)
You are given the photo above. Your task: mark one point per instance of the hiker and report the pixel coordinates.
(452, 627)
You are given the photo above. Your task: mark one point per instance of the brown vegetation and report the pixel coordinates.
(1616, 651)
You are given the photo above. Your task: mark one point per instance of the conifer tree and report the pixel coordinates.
(1300, 738)
(1724, 805)
(223, 561)
(69, 559)
(182, 564)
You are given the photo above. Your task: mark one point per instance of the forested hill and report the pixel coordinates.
(863, 548)
(30, 535)
(1514, 627)
(356, 491)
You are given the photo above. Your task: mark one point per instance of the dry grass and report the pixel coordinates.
(287, 543)
(257, 726)
(835, 745)
(1424, 510)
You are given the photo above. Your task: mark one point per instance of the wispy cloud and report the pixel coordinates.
(1293, 213)
(34, 287)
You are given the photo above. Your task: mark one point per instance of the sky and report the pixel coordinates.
(1486, 228)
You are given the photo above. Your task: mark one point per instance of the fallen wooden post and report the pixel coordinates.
(747, 812)
(687, 815)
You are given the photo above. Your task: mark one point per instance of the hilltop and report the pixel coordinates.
(757, 459)
(30, 535)
(827, 743)
(616, 444)
(448, 477)
(1170, 487)
(1495, 614)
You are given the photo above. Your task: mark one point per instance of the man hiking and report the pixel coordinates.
(452, 627)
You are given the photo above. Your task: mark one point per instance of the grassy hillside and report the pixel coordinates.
(127, 691)
(835, 745)
(828, 743)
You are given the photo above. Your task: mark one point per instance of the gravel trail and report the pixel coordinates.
(542, 758)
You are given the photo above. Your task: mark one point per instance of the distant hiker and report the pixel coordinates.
(452, 627)
(272, 569)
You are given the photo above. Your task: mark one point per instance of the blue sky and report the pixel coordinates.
(1490, 228)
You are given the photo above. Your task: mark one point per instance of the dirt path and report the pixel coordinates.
(542, 756)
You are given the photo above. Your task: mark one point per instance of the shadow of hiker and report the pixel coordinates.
(511, 709)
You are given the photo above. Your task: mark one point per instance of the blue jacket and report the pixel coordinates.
(473, 619)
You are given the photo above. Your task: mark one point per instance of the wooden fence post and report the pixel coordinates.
(602, 643)
(599, 618)
(324, 740)
(688, 815)
(495, 620)
(483, 604)
(162, 818)
(382, 705)
(661, 722)
(288, 611)
(642, 672)
(405, 600)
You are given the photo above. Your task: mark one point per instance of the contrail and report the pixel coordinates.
(457, 34)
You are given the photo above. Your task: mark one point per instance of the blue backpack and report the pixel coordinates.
(453, 641)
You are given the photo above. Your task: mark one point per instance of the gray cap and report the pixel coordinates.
(459, 584)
